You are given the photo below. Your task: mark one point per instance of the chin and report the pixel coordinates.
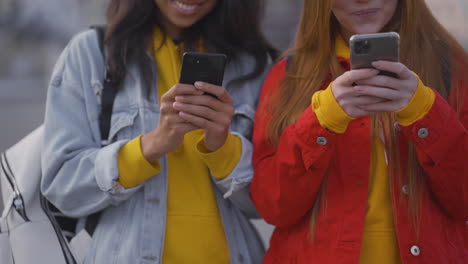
(369, 30)
(185, 25)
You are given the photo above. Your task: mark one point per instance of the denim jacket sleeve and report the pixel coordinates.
(79, 177)
(236, 186)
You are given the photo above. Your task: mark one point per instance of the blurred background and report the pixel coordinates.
(34, 32)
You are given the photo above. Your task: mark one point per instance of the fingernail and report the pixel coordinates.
(199, 84)
(376, 64)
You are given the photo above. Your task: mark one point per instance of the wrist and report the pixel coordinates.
(149, 148)
(212, 143)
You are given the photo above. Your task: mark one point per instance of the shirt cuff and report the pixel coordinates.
(222, 161)
(418, 106)
(329, 113)
(133, 166)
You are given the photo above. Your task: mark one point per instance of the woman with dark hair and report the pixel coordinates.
(356, 167)
(172, 185)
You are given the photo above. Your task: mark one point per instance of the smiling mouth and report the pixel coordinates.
(185, 7)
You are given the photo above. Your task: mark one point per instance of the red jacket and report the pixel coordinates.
(288, 177)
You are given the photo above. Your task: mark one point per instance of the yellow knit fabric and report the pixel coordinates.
(194, 230)
(379, 242)
(133, 167)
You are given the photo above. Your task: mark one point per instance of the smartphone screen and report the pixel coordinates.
(367, 48)
(205, 67)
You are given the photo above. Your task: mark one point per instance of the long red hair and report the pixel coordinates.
(426, 48)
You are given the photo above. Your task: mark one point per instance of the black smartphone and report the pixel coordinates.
(204, 67)
(367, 48)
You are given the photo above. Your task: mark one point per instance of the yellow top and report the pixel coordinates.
(379, 241)
(194, 230)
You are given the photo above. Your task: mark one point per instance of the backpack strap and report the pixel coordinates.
(108, 93)
(107, 102)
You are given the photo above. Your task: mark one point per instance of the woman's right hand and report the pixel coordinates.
(171, 128)
(349, 99)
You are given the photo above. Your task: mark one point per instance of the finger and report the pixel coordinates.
(396, 67)
(204, 112)
(186, 127)
(381, 81)
(180, 89)
(216, 90)
(375, 91)
(388, 106)
(365, 100)
(350, 77)
(171, 118)
(209, 101)
(200, 121)
(205, 100)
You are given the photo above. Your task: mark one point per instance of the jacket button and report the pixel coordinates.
(57, 81)
(240, 258)
(415, 251)
(154, 201)
(321, 141)
(423, 132)
(150, 258)
(405, 189)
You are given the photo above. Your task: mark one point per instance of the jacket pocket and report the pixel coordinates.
(242, 121)
(123, 125)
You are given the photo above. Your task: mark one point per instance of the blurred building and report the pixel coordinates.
(453, 15)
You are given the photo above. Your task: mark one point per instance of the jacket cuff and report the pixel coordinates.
(107, 173)
(222, 161)
(418, 106)
(134, 169)
(241, 175)
(329, 113)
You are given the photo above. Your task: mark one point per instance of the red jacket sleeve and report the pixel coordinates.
(288, 176)
(441, 141)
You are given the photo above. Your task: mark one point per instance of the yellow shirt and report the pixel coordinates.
(379, 241)
(194, 230)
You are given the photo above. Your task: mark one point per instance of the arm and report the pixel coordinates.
(235, 186)
(443, 153)
(287, 177)
(79, 176)
(431, 124)
(230, 165)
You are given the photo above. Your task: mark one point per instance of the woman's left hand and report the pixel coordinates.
(397, 92)
(213, 115)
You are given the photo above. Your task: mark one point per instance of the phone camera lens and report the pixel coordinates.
(197, 61)
(362, 47)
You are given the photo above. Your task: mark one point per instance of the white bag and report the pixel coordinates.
(29, 230)
(28, 233)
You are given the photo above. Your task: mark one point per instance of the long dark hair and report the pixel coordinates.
(232, 28)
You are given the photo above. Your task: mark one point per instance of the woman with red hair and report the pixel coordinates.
(356, 167)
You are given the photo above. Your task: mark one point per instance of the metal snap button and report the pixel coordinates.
(321, 141)
(423, 132)
(154, 201)
(57, 81)
(405, 189)
(415, 251)
(150, 258)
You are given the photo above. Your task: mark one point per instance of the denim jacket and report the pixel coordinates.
(81, 178)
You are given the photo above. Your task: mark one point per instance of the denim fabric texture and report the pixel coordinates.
(80, 177)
